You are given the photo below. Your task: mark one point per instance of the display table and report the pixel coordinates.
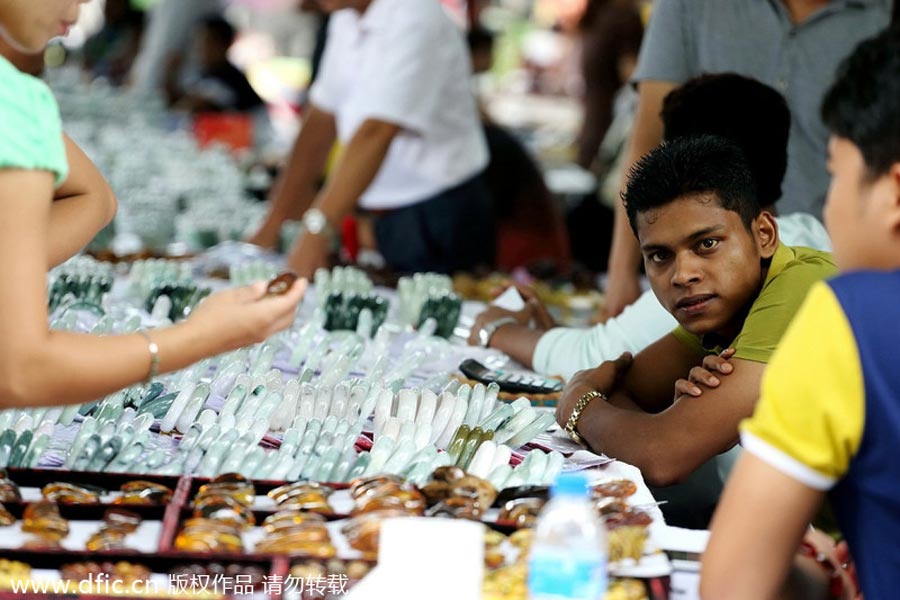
(60, 524)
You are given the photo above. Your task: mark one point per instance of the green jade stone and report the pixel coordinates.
(20, 449)
(7, 441)
(105, 454)
(329, 461)
(472, 442)
(158, 407)
(254, 458)
(86, 455)
(458, 442)
(37, 449)
(362, 463)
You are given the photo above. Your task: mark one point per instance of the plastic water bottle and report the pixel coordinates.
(568, 555)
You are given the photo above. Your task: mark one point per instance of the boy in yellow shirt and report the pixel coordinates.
(828, 419)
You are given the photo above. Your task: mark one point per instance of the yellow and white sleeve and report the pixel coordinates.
(809, 420)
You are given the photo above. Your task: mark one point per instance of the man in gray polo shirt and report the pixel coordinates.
(792, 45)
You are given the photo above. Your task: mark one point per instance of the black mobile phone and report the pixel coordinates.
(516, 383)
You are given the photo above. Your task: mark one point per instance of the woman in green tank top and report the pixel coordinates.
(49, 208)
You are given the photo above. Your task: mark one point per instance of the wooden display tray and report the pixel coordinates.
(171, 515)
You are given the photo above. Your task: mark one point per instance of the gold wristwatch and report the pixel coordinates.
(572, 423)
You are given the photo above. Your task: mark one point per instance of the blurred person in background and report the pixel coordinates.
(219, 85)
(110, 52)
(611, 33)
(530, 229)
(791, 45)
(394, 88)
(167, 39)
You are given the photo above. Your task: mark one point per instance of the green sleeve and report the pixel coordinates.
(690, 340)
(778, 302)
(30, 126)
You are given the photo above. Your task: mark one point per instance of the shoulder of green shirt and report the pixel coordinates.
(792, 271)
(30, 124)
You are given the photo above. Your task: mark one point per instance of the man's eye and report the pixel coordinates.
(658, 257)
(709, 243)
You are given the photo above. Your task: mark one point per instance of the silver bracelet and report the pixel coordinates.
(487, 332)
(153, 347)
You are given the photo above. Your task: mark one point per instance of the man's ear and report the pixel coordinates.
(893, 209)
(765, 232)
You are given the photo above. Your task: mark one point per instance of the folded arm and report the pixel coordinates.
(666, 440)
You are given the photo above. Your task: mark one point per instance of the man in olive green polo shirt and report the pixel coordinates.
(715, 262)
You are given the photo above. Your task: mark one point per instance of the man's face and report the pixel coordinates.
(860, 213)
(703, 264)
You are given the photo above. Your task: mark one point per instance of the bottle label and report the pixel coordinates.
(560, 575)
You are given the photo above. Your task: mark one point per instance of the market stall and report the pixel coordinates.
(185, 482)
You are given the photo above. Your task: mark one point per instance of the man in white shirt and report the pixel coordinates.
(394, 89)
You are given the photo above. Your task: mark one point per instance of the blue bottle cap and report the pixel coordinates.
(570, 484)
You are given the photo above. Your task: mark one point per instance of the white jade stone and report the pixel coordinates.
(422, 438)
(383, 409)
(357, 399)
(406, 405)
(381, 451)
(207, 418)
(407, 431)
(515, 425)
(329, 425)
(370, 402)
(307, 402)
(537, 467)
(323, 402)
(490, 400)
(483, 460)
(456, 419)
(300, 425)
(554, 466)
(443, 459)
(476, 404)
(392, 429)
(401, 457)
(442, 416)
(427, 408)
(181, 400)
(464, 392)
(501, 456)
(517, 477)
(539, 425)
(494, 420)
(342, 428)
(227, 422)
(520, 404)
(499, 476)
(259, 429)
(339, 401)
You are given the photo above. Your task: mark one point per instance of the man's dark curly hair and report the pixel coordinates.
(692, 166)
